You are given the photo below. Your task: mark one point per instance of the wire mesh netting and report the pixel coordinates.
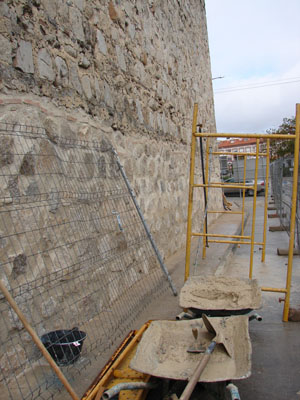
(235, 168)
(281, 172)
(74, 256)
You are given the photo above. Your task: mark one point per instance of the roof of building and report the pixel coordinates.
(225, 144)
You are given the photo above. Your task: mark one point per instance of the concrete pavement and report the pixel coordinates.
(165, 305)
(276, 345)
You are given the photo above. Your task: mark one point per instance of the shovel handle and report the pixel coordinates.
(197, 373)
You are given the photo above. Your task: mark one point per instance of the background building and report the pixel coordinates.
(247, 145)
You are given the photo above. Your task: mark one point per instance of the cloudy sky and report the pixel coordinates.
(254, 43)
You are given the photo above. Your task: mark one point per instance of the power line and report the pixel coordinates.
(259, 85)
(266, 83)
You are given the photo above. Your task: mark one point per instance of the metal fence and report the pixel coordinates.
(235, 168)
(281, 172)
(74, 254)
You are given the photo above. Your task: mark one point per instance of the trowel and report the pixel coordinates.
(196, 348)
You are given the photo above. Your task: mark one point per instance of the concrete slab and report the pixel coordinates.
(276, 345)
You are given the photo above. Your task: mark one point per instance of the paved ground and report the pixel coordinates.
(166, 306)
(276, 345)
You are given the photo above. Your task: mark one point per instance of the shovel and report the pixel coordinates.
(218, 339)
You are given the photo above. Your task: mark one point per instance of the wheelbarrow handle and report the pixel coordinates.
(198, 371)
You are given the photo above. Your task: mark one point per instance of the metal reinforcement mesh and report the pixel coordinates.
(74, 256)
(281, 173)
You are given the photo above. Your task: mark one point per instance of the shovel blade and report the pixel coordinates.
(219, 338)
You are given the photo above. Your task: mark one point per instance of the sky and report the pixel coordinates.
(254, 43)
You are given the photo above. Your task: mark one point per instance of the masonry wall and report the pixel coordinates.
(123, 72)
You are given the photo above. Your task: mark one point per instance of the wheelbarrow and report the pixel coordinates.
(220, 296)
(167, 349)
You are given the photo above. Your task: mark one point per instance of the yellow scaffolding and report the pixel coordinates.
(242, 239)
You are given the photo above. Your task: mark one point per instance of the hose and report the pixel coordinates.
(255, 316)
(126, 386)
(185, 315)
(234, 391)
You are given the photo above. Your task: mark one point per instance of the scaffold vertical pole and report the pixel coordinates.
(263, 254)
(205, 230)
(254, 210)
(244, 192)
(293, 217)
(191, 192)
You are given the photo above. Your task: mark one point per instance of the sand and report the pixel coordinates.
(163, 349)
(220, 293)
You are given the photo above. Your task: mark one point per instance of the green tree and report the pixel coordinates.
(280, 148)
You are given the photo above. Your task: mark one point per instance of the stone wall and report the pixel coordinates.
(126, 71)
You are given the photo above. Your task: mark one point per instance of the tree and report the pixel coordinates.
(281, 148)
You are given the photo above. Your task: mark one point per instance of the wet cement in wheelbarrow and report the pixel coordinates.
(220, 293)
(162, 351)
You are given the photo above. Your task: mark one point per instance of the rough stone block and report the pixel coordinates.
(19, 265)
(49, 307)
(62, 68)
(6, 151)
(32, 189)
(101, 42)
(139, 112)
(45, 67)
(131, 31)
(13, 361)
(5, 46)
(113, 12)
(24, 59)
(4, 9)
(108, 96)
(28, 165)
(71, 51)
(86, 87)
(121, 59)
(74, 79)
(76, 22)
(80, 4)
(84, 62)
(98, 92)
(50, 8)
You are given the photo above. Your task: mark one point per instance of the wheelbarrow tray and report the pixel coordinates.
(162, 351)
(220, 295)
